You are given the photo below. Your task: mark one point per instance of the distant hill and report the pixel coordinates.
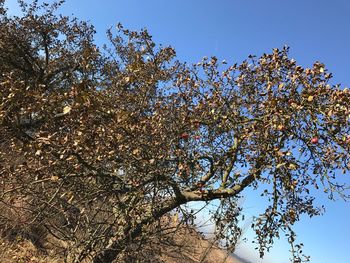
(240, 259)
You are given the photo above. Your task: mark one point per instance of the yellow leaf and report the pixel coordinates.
(294, 105)
(321, 70)
(280, 127)
(54, 178)
(280, 86)
(136, 151)
(310, 98)
(292, 166)
(66, 109)
(176, 218)
(280, 153)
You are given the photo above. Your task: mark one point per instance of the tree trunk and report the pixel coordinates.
(111, 252)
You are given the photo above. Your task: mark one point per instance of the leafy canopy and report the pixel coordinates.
(100, 143)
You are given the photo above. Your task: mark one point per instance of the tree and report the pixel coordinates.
(99, 144)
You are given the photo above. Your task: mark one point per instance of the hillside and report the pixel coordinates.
(189, 247)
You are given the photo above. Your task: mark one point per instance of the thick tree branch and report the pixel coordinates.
(208, 195)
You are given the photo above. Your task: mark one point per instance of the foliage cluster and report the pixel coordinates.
(99, 144)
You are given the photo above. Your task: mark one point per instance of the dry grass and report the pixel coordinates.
(183, 244)
(189, 247)
(194, 248)
(23, 251)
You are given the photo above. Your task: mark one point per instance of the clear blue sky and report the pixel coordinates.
(231, 30)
